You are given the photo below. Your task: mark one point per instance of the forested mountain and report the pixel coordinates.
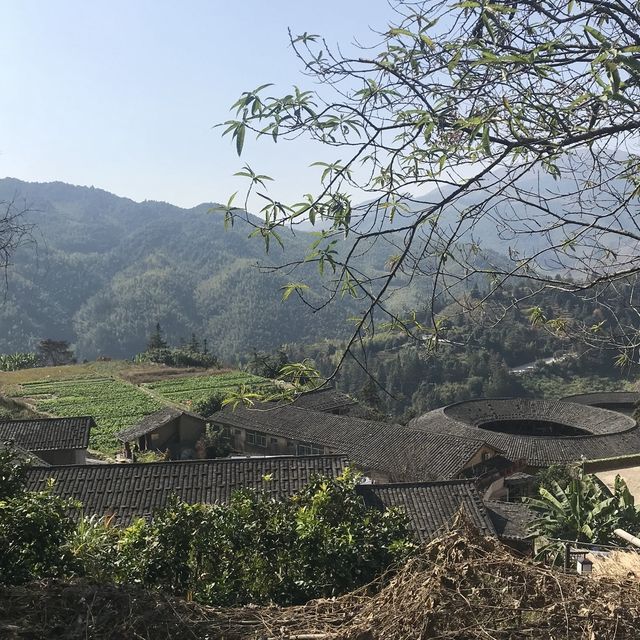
(405, 378)
(105, 269)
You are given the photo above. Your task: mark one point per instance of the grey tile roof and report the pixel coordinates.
(609, 434)
(325, 400)
(48, 434)
(608, 398)
(129, 491)
(431, 506)
(510, 519)
(23, 454)
(152, 422)
(402, 453)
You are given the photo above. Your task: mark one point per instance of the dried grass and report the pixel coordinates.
(461, 586)
(619, 565)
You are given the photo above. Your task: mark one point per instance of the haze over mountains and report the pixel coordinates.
(106, 269)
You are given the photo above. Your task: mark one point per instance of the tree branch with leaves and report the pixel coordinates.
(491, 142)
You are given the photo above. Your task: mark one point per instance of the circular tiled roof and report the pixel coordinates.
(514, 427)
(610, 399)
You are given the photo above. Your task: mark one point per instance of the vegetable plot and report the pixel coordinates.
(114, 404)
(194, 389)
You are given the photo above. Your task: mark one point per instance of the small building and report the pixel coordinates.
(384, 452)
(57, 441)
(131, 491)
(173, 429)
(511, 521)
(431, 506)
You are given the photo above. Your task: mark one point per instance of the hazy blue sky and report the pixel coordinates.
(123, 95)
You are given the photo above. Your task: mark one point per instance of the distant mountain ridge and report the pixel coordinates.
(106, 269)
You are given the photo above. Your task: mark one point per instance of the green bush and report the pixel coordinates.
(175, 357)
(94, 545)
(321, 542)
(13, 469)
(34, 528)
(16, 361)
(207, 406)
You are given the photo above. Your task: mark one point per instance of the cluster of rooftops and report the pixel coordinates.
(463, 456)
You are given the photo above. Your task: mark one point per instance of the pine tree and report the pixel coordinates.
(194, 344)
(156, 339)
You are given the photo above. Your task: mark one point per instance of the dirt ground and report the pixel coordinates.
(631, 476)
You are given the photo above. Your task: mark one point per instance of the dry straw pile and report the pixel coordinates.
(461, 586)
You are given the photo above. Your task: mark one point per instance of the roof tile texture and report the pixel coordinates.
(130, 491)
(612, 434)
(404, 454)
(431, 506)
(48, 434)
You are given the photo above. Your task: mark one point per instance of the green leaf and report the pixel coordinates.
(427, 40)
(596, 34)
(486, 143)
(239, 135)
(288, 289)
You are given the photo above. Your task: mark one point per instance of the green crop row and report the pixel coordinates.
(114, 405)
(204, 382)
(190, 391)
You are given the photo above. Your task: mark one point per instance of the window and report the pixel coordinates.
(256, 438)
(485, 456)
(306, 449)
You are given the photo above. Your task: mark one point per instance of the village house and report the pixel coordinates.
(170, 429)
(511, 521)
(23, 455)
(384, 452)
(130, 491)
(55, 440)
(126, 492)
(431, 506)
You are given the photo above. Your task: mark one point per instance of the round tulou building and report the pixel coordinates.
(538, 432)
(621, 401)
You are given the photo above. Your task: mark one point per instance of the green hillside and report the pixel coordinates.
(105, 269)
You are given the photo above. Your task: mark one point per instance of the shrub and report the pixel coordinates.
(33, 530)
(94, 546)
(321, 542)
(174, 357)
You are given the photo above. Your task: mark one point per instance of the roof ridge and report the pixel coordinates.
(125, 465)
(423, 483)
(48, 419)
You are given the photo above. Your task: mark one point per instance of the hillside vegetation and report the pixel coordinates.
(477, 359)
(106, 269)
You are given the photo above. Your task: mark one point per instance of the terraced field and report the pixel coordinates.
(190, 390)
(113, 403)
(116, 393)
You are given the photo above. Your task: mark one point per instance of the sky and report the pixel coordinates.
(124, 94)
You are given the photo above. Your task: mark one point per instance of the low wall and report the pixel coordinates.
(611, 464)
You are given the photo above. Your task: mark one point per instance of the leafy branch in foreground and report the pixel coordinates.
(489, 142)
